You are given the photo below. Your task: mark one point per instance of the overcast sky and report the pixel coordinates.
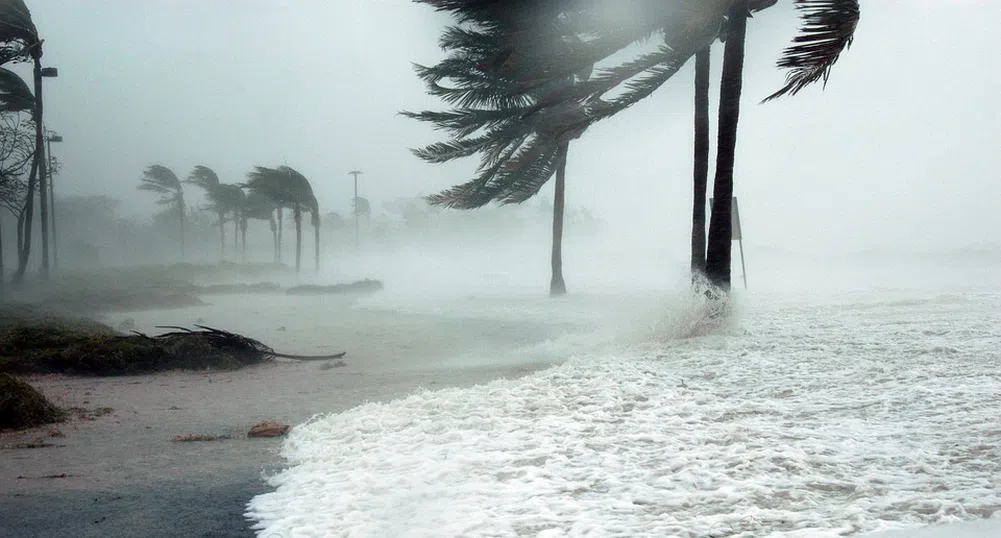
(901, 150)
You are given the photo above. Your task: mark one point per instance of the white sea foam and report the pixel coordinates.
(801, 420)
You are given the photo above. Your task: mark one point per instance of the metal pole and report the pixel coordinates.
(52, 207)
(357, 242)
(743, 269)
(355, 173)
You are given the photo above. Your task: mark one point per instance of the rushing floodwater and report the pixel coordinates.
(808, 417)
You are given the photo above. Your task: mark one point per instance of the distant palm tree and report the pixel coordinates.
(259, 207)
(223, 199)
(288, 188)
(163, 181)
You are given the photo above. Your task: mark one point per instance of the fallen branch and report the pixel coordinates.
(225, 339)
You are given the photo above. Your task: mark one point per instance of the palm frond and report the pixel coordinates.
(16, 23)
(14, 93)
(827, 30)
(203, 177)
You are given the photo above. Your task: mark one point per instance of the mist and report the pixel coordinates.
(418, 373)
(902, 139)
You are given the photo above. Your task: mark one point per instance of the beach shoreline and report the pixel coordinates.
(114, 469)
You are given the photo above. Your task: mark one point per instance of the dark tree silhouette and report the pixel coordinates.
(163, 181)
(223, 199)
(288, 188)
(477, 72)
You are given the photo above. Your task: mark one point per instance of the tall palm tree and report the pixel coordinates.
(476, 68)
(720, 224)
(288, 188)
(535, 114)
(163, 181)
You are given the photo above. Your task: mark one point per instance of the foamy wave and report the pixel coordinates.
(809, 421)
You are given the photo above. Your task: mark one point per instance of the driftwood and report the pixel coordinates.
(221, 339)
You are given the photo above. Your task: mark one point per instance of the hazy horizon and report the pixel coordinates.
(898, 153)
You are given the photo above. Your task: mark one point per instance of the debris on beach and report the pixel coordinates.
(52, 348)
(360, 286)
(268, 428)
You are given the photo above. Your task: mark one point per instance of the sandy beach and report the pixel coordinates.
(120, 474)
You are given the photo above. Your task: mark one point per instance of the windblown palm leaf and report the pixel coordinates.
(828, 28)
(522, 75)
(14, 93)
(18, 35)
(203, 177)
(163, 181)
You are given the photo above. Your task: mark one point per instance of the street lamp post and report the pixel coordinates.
(356, 173)
(52, 198)
(43, 195)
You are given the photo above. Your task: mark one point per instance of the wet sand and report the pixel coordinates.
(121, 474)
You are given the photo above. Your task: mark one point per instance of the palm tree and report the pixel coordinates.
(223, 199)
(288, 188)
(536, 113)
(19, 41)
(163, 181)
(476, 66)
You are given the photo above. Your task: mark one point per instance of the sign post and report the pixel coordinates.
(735, 234)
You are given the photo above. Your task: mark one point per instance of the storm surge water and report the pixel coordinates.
(803, 417)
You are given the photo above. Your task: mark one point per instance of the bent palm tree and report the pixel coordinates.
(476, 66)
(288, 188)
(162, 180)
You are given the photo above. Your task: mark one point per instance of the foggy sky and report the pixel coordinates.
(900, 151)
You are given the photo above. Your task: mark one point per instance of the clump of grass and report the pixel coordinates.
(21, 406)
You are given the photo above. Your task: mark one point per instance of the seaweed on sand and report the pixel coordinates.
(54, 349)
(21, 406)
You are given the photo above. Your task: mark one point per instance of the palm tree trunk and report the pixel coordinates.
(43, 194)
(222, 236)
(720, 226)
(316, 239)
(236, 231)
(180, 207)
(701, 172)
(243, 238)
(557, 286)
(24, 249)
(280, 220)
(3, 274)
(274, 237)
(297, 216)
